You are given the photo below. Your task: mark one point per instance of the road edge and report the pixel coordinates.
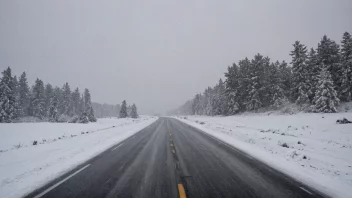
(268, 166)
(74, 169)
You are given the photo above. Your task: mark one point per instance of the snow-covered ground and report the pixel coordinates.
(60, 148)
(318, 152)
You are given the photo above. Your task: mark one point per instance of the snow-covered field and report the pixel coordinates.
(318, 152)
(60, 148)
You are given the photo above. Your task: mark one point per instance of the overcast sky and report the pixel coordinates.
(155, 53)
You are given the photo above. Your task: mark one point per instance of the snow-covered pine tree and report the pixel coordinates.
(66, 97)
(49, 95)
(328, 54)
(285, 73)
(275, 88)
(134, 113)
(313, 71)
(244, 83)
(24, 100)
(83, 118)
(17, 98)
(76, 102)
(38, 100)
(209, 100)
(231, 89)
(346, 62)
(217, 98)
(223, 100)
(58, 97)
(325, 99)
(202, 105)
(129, 108)
(91, 116)
(197, 108)
(265, 92)
(81, 104)
(216, 105)
(7, 97)
(123, 110)
(300, 87)
(88, 106)
(255, 84)
(54, 104)
(86, 99)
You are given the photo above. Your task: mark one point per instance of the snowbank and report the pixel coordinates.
(23, 134)
(24, 169)
(309, 147)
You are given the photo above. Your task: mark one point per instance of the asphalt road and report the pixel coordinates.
(168, 157)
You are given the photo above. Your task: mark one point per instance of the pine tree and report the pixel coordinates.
(223, 100)
(209, 101)
(58, 100)
(275, 87)
(81, 104)
(244, 83)
(90, 114)
(134, 113)
(37, 105)
(269, 72)
(232, 89)
(254, 101)
(285, 73)
(196, 105)
(325, 99)
(54, 104)
(17, 97)
(87, 99)
(123, 110)
(24, 99)
(219, 99)
(346, 62)
(76, 102)
(83, 118)
(49, 95)
(7, 97)
(313, 72)
(129, 108)
(88, 109)
(300, 88)
(66, 97)
(328, 54)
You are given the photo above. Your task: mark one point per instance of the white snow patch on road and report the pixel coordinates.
(29, 167)
(319, 151)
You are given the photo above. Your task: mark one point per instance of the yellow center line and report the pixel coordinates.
(171, 145)
(181, 191)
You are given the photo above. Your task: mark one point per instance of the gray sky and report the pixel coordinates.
(156, 53)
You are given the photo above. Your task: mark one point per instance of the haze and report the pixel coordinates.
(156, 54)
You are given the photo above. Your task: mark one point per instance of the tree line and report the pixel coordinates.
(107, 110)
(46, 102)
(131, 109)
(317, 80)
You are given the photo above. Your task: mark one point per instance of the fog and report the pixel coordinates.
(157, 53)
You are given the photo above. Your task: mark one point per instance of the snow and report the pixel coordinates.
(27, 168)
(327, 146)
